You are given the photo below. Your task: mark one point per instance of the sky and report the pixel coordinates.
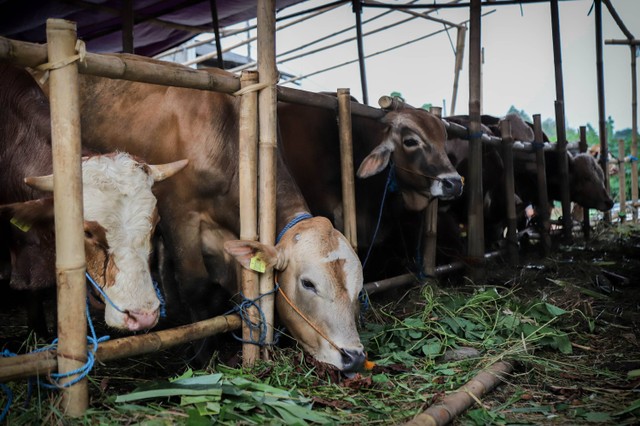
(518, 66)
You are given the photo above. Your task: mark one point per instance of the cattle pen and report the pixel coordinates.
(259, 93)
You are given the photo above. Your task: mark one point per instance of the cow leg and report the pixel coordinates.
(201, 294)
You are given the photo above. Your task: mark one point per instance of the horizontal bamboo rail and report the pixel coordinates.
(43, 363)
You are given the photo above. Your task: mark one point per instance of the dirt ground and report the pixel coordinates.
(598, 280)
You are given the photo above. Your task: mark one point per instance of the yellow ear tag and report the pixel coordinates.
(23, 226)
(257, 264)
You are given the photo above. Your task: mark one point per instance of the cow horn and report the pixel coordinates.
(160, 172)
(43, 183)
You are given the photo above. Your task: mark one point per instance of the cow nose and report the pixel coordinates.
(452, 186)
(352, 360)
(141, 320)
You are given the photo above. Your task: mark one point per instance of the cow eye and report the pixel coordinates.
(308, 285)
(88, 234)
(409, 142)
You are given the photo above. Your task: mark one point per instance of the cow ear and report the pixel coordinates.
(255, 255)
(27, 214)
(376, 161)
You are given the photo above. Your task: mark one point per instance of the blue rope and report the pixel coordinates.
(537, 145)
(243, 311)
(82, 371)
(7, 390)
(390, 177)
(163, 310)
(104, 295)
(294, 222)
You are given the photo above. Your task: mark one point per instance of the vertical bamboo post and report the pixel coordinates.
(634, 133)
(346, 162)
(510, 191)
(462, 32)
(267, 151)
(602, 126)
(68, 210)
(127, 26)
(622, 178)
(563, 163)
(248, 177)
(543, 196)
(476, 217)
(586, 220)
(430, 219)
(357, 10)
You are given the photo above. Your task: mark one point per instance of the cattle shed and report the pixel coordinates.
(152, 27)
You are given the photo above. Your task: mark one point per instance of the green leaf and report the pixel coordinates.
(635, 405)
(380, 378)
(554, 310)
(633, 374)
(210, 380)
(433, 347)
(597, 417)
(163, 390)
(563, 344)
(195, 419)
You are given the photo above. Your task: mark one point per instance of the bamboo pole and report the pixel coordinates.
(602, 125)
(346, 166)
(67, 194)
(430, 219)
(127, 26)
(357, 10)
(563, 163)
(634, 134)
(586, 221)
(510, 192)
(248, 177)
(456, 403)
(462, 32)
(44, 363)
(622, 178)
(543, 196)
(476, 217)
(267, 151)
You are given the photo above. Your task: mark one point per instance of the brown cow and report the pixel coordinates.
(410, 140)
(119, 208)
(317, 269)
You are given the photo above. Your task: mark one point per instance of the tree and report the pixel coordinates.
(521, 113)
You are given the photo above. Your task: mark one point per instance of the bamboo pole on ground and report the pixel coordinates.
(543, 196)
(622, 178)
(267, 151)
(510, 192)
(430, 219)
(586, 221)
(68, 211)
(476, 216)
(248, 179)
(44, 363)
(346, 165)
(456, 403)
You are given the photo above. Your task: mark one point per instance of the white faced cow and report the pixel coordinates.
(119, 208)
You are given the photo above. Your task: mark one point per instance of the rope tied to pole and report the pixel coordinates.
(242, 309)
(81, 50)
(254, 88)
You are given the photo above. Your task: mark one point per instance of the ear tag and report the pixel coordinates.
(257, 264)
(23, 226)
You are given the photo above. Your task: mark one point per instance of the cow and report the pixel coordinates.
(316, 268)
(410, 140)
(119, 208)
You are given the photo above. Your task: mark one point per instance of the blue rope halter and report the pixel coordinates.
(299, 218)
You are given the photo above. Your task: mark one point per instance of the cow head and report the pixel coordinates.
(119, 218)
(320, 274)
(587, 183)
(415, 140)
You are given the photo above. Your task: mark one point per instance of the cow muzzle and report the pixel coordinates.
(452, 187)
(135, 321)
(352, 360)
